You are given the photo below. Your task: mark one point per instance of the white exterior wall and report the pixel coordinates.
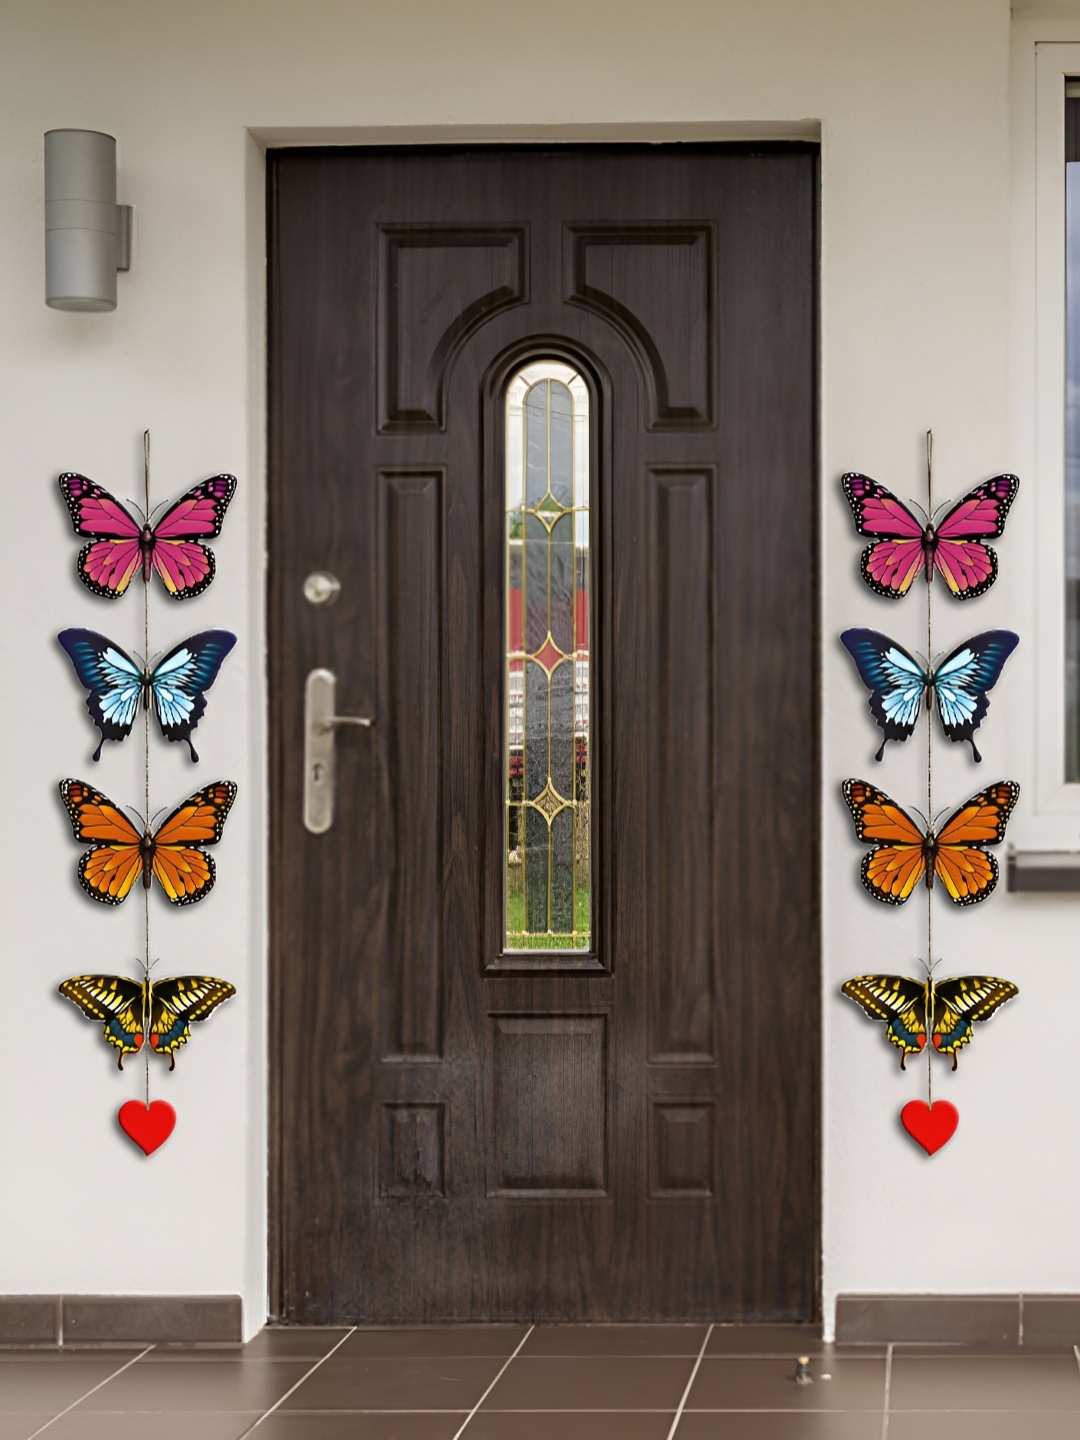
(913, 104)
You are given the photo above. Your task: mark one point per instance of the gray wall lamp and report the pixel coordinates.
(87, 235)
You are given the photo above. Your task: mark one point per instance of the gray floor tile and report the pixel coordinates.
(591, 1382)
(983, 1424)
(912, 1351)
(342, 1425)
(479, 1340)
(615, 1340)
(294, 1342)
(198, 1386)
(71, 1355)
(396, 1383)
(580, 1425)
(777, 1425)
(20, 1427)
(295, 1345)
(151, 1425)
(51, 1384)
(768, 1340)
(995, 1382)
(726, 1384)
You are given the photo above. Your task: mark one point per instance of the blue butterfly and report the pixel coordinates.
(959, 683)
(116, 683)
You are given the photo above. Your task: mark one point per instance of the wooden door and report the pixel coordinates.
(622, 1124)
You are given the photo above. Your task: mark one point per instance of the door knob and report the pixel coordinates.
(320, 733)
(321, 588)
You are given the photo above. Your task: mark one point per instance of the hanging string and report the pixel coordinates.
(146, 780)
(929, 777)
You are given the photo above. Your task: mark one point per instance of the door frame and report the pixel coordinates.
(733, 135)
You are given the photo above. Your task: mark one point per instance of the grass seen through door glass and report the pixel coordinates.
(518, 939)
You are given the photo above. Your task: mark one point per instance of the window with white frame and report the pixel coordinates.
(1054, 489)
(1072, 430)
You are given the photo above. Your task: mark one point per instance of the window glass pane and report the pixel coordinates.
(548, 675)
(1072, 438)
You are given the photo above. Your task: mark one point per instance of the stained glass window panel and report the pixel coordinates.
(548, 673)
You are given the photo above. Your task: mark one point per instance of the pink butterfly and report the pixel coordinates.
(953, 545)
(119, 544)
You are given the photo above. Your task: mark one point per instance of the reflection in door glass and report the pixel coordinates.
(547, 676)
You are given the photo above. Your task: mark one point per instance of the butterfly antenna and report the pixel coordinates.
(139, 822)
(157, 510)
(938, 814)
(916, 506)
(930, 470)
(146, 469)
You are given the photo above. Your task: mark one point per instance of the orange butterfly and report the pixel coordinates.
(903, 854)
(120, 854)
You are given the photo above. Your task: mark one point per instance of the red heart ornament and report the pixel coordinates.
(148, 1125)
(932, 1126)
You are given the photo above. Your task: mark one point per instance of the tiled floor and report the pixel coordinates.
(514, 1382)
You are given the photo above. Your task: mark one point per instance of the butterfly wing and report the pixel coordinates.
(107, 564)
(964, 868)
(180, 680)
(114, 999)
(960, 1002)
(891, 564)
(963, 678)
(900, 1002)
(176, 1003)
(185, 871)
(895, 679)
(112, 679)
(897, 863)
(109, 869)
(966, 565)
(185, 565)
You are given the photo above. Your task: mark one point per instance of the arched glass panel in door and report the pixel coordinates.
(547, 674)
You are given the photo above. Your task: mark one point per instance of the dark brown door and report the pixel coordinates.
(513, 1080)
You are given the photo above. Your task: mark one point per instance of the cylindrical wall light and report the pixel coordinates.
(85, 233)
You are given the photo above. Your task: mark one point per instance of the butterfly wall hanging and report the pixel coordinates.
(944, 1010)
(957, 686)
(121, 545)
(135, 1011)
(120, 853)
(905, 853)
(176, 685)
(951, 541)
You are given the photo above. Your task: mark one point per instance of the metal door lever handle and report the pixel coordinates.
(320, 728)
(333, 721)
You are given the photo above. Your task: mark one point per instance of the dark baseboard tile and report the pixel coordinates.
(1031, 1320)
(959, 1319)
(120, 1319)
(29, 1319)
(1050, 1319)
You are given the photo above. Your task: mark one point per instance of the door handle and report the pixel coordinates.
(320, 733)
